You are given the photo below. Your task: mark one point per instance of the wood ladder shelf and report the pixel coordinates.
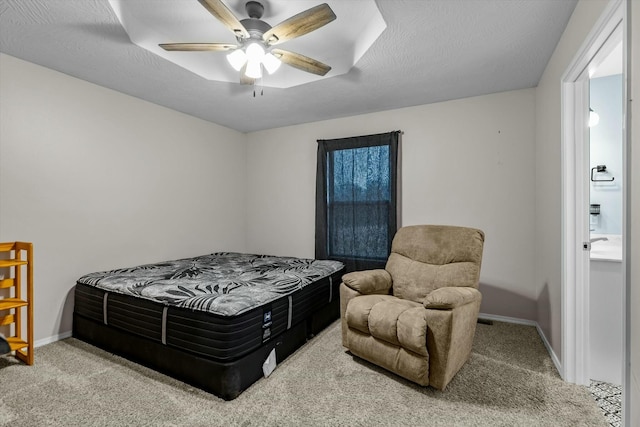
(12, 307)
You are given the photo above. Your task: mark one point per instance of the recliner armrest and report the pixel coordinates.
(369, 281)
(451, 297)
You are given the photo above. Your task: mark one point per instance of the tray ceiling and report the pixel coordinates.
(339, 44)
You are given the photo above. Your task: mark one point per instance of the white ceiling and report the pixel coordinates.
(431, 51)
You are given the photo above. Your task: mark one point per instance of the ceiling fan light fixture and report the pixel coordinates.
(237, 59)
(255, 52)
(255, 38)
(271, 63)
(254, 69)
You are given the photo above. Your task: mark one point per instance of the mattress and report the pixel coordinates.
(211, 321)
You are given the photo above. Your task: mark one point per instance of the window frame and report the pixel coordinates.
(325, 149)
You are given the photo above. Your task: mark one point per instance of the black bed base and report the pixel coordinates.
(224, 379)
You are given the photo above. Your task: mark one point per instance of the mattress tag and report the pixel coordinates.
(266, 319)
(266, 334)
(270, 364)
(266, 324)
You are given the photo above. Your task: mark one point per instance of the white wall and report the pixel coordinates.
(466, 162)
(549, 173)
(98, 180)
(605, 148)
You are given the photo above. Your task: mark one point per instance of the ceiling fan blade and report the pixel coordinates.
(216, 47)
(224, 15)
(244, 80)
(300, 24)
(301, 62)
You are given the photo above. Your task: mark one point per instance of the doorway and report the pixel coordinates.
(579, 216)
(606, 184)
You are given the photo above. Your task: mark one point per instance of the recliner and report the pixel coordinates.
(417, 316)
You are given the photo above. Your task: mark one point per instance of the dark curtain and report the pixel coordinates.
(356, 199)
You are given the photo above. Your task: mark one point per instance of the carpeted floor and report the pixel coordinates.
(509, 381)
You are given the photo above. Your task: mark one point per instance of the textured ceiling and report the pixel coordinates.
(431, 51)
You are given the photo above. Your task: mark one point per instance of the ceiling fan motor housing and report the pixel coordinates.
(254, 9)
(254, 25)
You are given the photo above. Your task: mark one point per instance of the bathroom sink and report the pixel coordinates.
(606, 247)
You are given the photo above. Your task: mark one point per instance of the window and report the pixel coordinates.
(356, 199)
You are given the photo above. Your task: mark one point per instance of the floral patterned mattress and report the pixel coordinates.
(223, 283)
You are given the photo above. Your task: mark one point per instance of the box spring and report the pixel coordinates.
(220, 354)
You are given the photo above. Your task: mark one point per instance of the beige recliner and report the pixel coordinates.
(417, 317)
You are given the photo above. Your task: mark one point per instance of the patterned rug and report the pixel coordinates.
(609, 399)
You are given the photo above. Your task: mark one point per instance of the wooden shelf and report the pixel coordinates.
(12, 262)
(13, 307)
(16, 343)
(6, 283)
(9, 303)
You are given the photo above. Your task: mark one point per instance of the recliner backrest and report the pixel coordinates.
(427, 257)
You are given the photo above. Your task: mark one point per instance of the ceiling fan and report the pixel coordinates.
(255, 39)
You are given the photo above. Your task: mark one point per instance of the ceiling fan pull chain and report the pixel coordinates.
(260, 87)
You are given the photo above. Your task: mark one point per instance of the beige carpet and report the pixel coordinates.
(509, 381)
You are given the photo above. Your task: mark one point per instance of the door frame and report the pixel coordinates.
(575, 191)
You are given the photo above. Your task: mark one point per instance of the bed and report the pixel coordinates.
(212, 320)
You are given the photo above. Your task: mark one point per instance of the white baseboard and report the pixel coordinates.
(54, 338)
(507, 319)
(527, 322)
(552, 353)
